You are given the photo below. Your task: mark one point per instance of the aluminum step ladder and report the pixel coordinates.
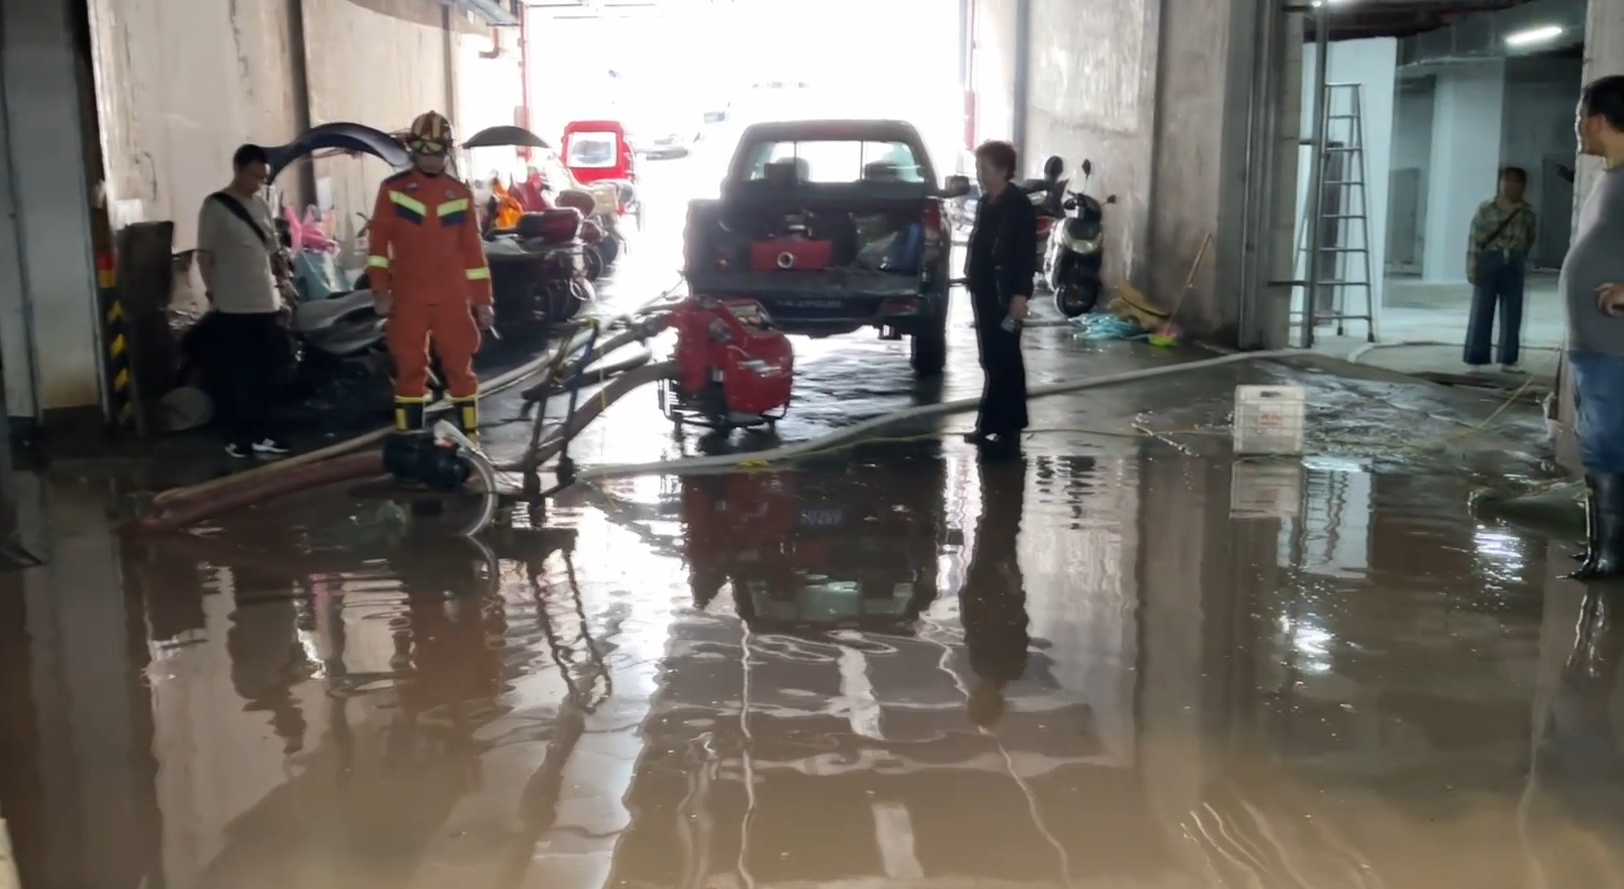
(1340, 286)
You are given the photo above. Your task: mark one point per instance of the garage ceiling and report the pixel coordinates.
(1358, 19)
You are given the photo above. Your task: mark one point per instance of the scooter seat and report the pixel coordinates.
(346, 340)
(321, 314)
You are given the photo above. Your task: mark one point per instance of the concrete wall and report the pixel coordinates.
(47, 274)
(992, 69)
(1100, 105)
(375, 68)
(1179, 112)
(1536, 133)
(180, 85)
(1538, 136)
(1468, 113)
(171, 117)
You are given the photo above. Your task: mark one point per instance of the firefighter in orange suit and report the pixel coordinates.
(429, 275)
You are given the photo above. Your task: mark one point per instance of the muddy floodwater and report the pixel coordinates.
(905, 668)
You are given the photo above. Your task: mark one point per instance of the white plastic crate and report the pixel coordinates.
(1270, 419)
(1265, 489)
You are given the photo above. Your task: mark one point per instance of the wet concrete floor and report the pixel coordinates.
(1124, 658)
(905, 668)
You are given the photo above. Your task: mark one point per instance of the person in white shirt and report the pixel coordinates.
(238, 256)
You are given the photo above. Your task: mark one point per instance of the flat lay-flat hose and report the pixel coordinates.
(591, 407)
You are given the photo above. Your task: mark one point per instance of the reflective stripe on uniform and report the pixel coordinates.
(378, 262)
(459, 205)
(408, 207)
(479, 274)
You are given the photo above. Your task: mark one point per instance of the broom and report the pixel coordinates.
(1168, 334)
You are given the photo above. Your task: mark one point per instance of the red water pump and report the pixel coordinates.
(734, 368)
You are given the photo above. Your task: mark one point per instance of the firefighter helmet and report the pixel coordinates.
(430, 133)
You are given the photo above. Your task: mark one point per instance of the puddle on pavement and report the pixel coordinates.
(1140, 669)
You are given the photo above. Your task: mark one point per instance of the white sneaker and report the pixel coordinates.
(238, 452)
(270, 447)
(1511, 369)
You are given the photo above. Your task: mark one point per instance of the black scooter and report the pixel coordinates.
(1071, 266)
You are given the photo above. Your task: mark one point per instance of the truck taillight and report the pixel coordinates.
(934, 227)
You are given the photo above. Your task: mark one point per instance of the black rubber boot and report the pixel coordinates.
(1604, 527)
(1586, 552)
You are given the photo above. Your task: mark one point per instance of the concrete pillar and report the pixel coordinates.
(50, 348)
(1466, 122)
(1175, 112)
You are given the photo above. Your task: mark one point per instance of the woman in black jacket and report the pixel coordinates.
(1001, 264)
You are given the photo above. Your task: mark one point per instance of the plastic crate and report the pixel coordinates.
(1269, 419)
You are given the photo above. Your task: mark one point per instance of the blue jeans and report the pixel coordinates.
(1499, 282)
(1598, 390)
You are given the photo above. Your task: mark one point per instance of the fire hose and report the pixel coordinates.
(868, 428)
(567, 369)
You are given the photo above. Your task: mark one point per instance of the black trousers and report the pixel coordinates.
(1003, 392)
(247, 354)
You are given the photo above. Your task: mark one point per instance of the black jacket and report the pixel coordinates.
(1003, 250)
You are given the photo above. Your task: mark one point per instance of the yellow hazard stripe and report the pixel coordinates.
(107, 279)
(480, 274)
(409, 203)
(460, 205)
(117, 347)
(115, 314)
(378, 262)
(122, 381)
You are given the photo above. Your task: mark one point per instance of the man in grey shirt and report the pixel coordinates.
(1592, 286)
(238, 252)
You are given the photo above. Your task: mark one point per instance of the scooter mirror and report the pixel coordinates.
(956, 187)
(1054, 168)
(1111, 199)
(1088, 167)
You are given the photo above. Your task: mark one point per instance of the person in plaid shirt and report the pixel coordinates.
(1503, 233)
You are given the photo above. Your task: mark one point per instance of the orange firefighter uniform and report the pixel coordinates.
(426, 252)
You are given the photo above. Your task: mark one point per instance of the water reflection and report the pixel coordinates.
(992, 603)
(908, 668)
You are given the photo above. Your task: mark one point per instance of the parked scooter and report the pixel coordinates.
(1071, 267)
(1047, 196)
(1045, 193)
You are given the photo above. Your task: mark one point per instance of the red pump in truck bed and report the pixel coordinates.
(832, 226)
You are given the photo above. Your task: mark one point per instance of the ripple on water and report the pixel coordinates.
(903, 664)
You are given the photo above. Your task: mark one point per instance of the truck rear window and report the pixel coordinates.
(835, 161)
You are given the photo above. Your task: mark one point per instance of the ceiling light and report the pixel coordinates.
(1534, 35)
